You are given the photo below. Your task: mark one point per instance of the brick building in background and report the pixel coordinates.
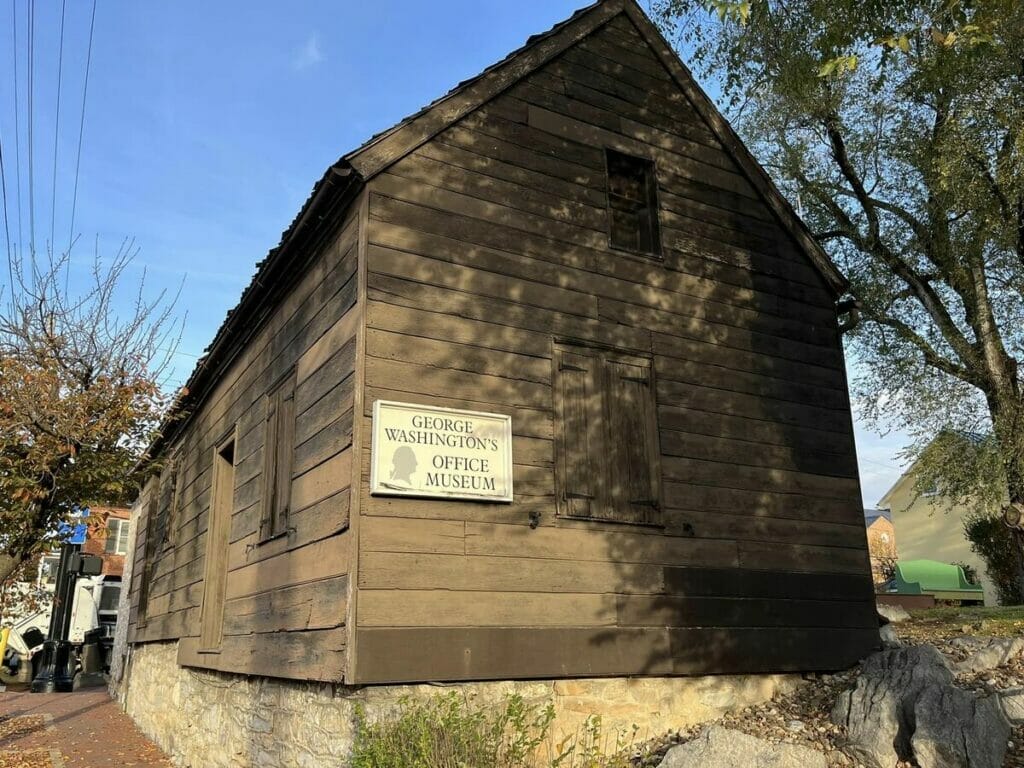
(109, 541)
(881, 543)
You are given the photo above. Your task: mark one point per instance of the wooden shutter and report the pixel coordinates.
(166, 518)
(578, 433)
(633, 452)
(278, 449)
(164, 498)
(149, 553)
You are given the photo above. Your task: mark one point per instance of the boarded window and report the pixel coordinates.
(150, 551)
(167, 519)
(632, 204)
(608, 460)
(278, 447)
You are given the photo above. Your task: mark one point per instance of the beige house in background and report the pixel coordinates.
(930, 527)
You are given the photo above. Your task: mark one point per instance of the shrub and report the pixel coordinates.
(447, 732)
(997, 546)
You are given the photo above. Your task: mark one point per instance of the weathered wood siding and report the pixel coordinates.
(488, 245)
(285, 598)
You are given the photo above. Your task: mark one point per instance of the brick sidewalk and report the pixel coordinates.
(71, 730)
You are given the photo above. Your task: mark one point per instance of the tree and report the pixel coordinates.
(897, 126)
(993, 542)
(80, 396)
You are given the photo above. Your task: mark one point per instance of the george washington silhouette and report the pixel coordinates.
(403, 465)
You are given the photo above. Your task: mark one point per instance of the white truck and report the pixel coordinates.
(94, 608)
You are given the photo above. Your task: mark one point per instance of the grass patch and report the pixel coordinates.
(994, 620)
(970, 613)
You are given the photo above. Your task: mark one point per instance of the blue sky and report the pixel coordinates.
(206, 125)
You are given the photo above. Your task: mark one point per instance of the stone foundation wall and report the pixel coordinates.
(216, 720)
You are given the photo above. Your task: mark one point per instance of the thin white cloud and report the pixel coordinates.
(308, 54)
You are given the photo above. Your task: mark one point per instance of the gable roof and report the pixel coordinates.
(908, 474)
(275, 273)
(388, 147)
(871, 516)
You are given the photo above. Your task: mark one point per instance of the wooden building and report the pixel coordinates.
(575, 239)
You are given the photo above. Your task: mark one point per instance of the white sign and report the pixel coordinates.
(424, 451)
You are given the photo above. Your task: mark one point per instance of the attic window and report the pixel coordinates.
(632, 204)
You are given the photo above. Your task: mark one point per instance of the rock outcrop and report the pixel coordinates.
(718, 747)
(905, 707)
(991, 654)
(956, 729)
(1013, 704)
(893, 613)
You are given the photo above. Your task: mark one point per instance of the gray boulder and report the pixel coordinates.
(878, 712)
(1013, 704)
(888, 635)
(718, 747)
(994, 653)
(956, 729)
(968, 643)
(894, 613)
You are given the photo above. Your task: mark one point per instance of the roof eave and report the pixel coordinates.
(339, 181)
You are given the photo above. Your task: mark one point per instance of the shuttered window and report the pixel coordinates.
(608, 460)
(278, 447)
(167, 519)
(632, 204)
(150, 551)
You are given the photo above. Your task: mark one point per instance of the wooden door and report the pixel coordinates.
(221, 504)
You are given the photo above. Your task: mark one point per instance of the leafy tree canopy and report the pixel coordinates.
(896, 125)
(80, 398)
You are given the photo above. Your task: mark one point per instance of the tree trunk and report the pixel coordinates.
(1008, 423)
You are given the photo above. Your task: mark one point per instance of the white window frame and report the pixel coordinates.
(119, 529)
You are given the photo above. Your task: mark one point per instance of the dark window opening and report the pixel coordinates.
(632, 204)
(211, 622)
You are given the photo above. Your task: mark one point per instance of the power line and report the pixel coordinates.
(81, 126)
(56, 126)
(31, 175)
(17, 127)
(7, 228)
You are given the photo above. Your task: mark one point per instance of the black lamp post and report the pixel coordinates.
(57, 663)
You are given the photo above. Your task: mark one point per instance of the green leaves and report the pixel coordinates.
(894, 42)
(900, 124)
(838, 66)
(729, 10)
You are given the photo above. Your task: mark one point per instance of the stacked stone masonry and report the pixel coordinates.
(218, 720)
